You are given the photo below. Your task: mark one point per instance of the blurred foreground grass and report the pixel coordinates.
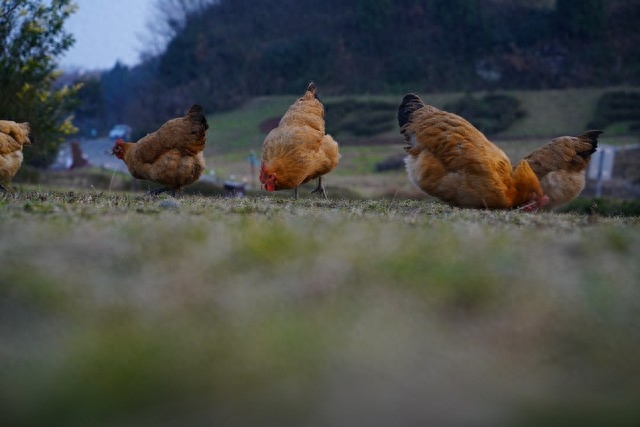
(124, 310)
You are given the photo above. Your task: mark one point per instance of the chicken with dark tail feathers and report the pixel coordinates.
(171, 156)
(299, 150)
(450, 159)
(561, 166)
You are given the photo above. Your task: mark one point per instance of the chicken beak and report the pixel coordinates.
(536, 203)
(543, 201)
(270, 185)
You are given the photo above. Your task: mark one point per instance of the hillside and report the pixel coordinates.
(233, 135)
(359, 47)
(224, 53)
(549, 113)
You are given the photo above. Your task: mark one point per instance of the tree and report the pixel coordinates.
(115, 91)
(373, 14)
(90, 117)
(581, 18)
(461, 23)
(169, 19)
(31, 38)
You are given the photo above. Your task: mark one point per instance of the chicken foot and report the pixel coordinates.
(160, 190)
(320, 188)
(3, 188)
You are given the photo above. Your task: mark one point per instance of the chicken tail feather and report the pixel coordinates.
(410, 103)
(197, 117)
(312, 91)
(590, 137)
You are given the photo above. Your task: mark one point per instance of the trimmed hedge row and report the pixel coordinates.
(360, 118)
(493, 113)
(617, 108)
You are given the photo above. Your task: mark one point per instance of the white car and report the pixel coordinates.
(120, 131)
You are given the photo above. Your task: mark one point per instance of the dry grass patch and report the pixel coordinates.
(119, 309)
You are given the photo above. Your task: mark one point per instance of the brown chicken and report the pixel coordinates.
(298, 150)
(560, 166)
(450, 159)
(172, 155)
(13, 136)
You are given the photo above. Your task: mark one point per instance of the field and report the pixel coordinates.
(119, 309)
(377, 307)
(550, 113)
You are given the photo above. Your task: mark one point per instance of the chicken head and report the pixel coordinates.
(536, 203)
(268, 180)
(118, 149)
(528, 192)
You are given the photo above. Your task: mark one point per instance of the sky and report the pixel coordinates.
(107, 31)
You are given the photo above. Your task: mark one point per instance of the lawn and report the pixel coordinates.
(121, 309)
(378, 306)
(549, 114)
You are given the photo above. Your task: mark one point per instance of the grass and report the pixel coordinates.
(378, 306)
(120, 309)
(550, 113)
(240, 129)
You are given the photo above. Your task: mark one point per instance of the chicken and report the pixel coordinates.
(560, 166)
(450, 159)
(172, 155)
(298, 150)
(13, 136)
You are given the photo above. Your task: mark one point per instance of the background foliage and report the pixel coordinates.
(32, 36)
(220, 53)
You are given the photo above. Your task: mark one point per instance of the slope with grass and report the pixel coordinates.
(234, 135)
(549, 114)
(118, 309)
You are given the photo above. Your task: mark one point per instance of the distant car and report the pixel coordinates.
(120, 131)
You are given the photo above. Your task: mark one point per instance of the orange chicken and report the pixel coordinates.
(13, 136)
(172, 155)
(560, 166)
(298, 150)
(450, 159)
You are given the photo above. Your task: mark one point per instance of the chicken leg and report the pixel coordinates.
(320, 188)
(160, 190)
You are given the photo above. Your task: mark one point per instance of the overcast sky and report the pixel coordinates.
(107, 31)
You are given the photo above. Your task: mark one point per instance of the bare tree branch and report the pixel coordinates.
(169, 17)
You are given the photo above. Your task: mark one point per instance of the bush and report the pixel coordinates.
(492, 114)
(603, 206)
(359, 117)
(390, 163)
(617, 108)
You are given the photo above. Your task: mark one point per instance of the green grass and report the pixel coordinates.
(239, 130)
(549, 113)
(115, 310)
(119, 309)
